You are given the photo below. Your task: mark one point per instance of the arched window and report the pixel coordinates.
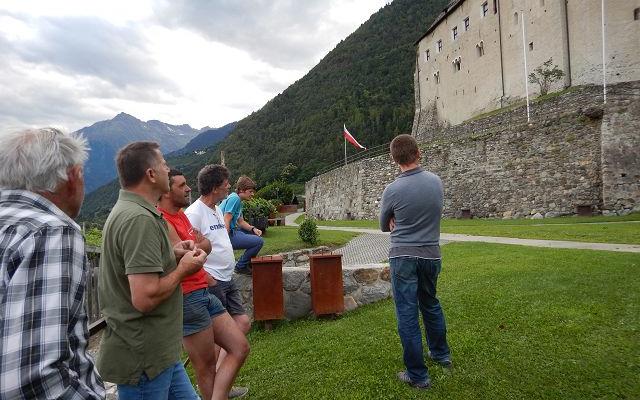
(515, 18)
(480, 48)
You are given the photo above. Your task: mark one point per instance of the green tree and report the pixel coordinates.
(545, 75)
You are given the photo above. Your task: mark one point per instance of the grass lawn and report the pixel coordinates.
(285, 238)
(523, 323)
(581, 229)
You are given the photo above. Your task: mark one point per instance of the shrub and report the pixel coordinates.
(277, 190)
(308, 231)
(257, 208)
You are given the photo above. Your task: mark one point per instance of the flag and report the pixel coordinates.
(351, 139)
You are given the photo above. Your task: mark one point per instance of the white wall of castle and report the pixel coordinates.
(568, 31)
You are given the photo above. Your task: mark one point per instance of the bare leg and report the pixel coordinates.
(200, 350)
(244, 323)
(232, 340)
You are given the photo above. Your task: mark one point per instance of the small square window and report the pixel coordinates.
(454, 32)
(466, 24)
(485, 9)
(439, 45)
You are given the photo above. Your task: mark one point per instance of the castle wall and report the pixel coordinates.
(575, 152)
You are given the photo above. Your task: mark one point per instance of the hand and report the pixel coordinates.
(211, 281)
(392, 223)
(257, 231)
(198, 235)
(192, 261)
(181, 248)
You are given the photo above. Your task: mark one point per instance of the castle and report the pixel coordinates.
(566, 153)
(472, 58)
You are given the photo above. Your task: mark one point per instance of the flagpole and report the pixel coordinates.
(604, 60)
(526, 73)
(345, 151)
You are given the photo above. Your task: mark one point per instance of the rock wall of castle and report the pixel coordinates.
(574, 152)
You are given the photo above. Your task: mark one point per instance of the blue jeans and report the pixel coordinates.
(172, 383)
(242, 240)
(414, 281)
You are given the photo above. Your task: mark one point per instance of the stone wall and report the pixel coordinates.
(363, 284)
(574, 152)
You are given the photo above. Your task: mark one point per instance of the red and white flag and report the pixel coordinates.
(351, 139)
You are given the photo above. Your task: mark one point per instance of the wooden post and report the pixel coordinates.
(326, 284)
(268, 298)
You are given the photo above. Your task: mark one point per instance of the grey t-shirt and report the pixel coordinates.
(415, 200)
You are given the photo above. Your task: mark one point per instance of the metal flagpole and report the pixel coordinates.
(604, 60)
(526, 72)
(345, 151)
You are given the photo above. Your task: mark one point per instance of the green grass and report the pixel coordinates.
(598, 229)
(523, 323)
(285, 238)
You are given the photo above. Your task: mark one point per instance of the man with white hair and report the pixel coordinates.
(43, 269)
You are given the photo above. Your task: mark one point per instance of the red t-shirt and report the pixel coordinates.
(185, 231)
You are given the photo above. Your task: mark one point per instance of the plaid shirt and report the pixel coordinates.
(43, 322)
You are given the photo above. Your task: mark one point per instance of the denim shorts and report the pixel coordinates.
(198, 308)
(229, 295)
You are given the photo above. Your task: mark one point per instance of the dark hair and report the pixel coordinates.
(245, 183)
(404, 149)
(210, 177)
(133, 160)
(174, 172)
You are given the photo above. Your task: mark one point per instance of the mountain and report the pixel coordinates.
(366, 82)
(207, 138)
(106, 137)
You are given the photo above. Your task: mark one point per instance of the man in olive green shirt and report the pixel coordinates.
(139, 284)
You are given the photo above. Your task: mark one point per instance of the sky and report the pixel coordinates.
(70, 63)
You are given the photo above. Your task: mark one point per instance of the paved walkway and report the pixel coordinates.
(357, 250)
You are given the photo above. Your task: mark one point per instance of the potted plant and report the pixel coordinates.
(256, 211)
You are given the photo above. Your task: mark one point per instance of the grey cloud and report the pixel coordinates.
(283, 33)
(92, 46)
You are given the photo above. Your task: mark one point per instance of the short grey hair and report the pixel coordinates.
(38, 159)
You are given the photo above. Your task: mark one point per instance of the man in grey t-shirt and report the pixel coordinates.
(411, 209)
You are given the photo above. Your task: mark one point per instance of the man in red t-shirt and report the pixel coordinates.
(205, 319)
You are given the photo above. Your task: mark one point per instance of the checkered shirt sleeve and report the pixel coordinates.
(43, 322)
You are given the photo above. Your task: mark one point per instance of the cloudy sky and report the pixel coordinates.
(202, 62)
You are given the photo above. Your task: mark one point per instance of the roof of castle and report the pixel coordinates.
(451, 7)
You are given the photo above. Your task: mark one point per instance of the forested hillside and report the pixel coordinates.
(366, 82)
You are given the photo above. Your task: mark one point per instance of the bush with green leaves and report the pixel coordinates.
(308, 231)
(257, 208)
(277, 190)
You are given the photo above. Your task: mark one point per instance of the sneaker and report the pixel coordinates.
(238, 391)
(444, 363)
(243, 271)
(403, 376)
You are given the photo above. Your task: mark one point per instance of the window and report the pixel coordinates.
(485, 9)
(439, 45)
(454, 32)
(456, 64)
(541, 3)
(531, 46)
(636, 14)
(515, 18)
(426, 55)
(495, 6)
(466, 24)
(480, 48)
(436, 75)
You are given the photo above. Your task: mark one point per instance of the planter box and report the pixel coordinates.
(326, 284)
(268, 297)
(287, 208)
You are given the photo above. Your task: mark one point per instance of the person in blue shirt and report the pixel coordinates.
(242, 234)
